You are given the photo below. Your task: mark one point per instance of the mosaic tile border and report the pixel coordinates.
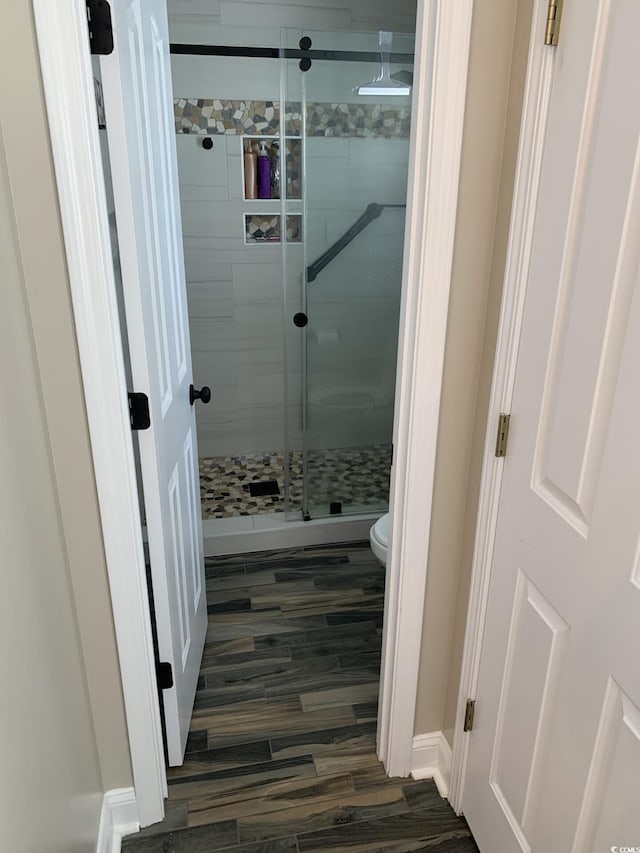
(233, 117)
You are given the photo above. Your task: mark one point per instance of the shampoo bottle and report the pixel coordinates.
(264, 172)
(250, 171)
(275, 170)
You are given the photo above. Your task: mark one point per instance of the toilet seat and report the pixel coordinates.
(379, 538)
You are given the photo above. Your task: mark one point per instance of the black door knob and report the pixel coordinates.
(300, 320)
(204, 394)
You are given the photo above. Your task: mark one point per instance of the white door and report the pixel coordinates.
(555, 751)
(139, 108)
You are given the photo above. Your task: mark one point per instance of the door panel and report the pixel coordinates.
(139, 108)
(559, 685)
(535, 655)
(585, 343)
(610, 801)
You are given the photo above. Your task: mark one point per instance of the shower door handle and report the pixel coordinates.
(204, 394)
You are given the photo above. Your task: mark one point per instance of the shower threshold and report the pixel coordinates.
(272, 530)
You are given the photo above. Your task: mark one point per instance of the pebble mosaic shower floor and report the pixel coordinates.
(353, 476)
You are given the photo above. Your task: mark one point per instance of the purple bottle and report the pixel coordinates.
(264, 172)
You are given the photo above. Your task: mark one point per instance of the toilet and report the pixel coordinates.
(379, 538)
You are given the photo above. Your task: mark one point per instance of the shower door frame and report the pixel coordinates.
(442, 36)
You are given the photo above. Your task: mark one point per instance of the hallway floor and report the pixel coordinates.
(281, 754)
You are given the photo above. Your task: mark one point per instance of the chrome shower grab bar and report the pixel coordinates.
(372, 212)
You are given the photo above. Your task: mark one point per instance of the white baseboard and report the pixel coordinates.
(119, 817)
(431, 759)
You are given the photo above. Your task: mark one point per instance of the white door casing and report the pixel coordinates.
(136, 80)
(554, 756)
(69, 92)
(443, 33)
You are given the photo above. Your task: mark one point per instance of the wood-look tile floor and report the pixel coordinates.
(281, 753)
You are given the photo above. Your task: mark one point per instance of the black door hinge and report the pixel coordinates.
(139, 410)
(165, 675)
(100, 28)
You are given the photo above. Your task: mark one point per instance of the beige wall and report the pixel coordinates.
(510, 151)
(61, 717)
(499, 44)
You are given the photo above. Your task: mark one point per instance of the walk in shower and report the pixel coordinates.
(294, 299)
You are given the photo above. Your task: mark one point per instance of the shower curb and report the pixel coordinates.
(271, 530)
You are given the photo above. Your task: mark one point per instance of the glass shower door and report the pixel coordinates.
(355, 163)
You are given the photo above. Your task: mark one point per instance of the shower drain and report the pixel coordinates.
(265, 487)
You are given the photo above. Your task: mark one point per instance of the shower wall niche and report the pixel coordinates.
(291, 403)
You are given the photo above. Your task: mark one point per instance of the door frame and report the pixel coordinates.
(535, 111)
(442, 33)
(70, 98)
